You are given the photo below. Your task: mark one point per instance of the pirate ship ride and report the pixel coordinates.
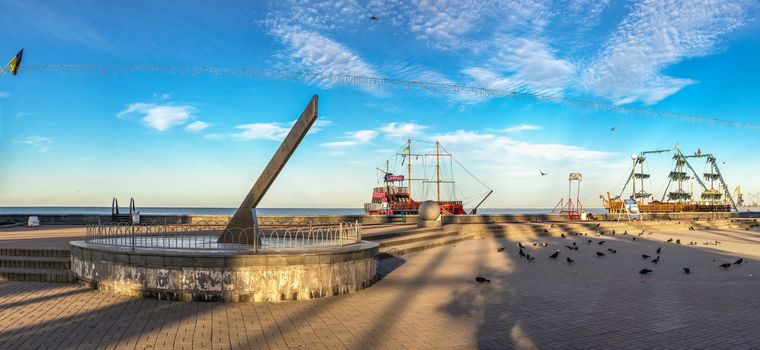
(394, 196)
(715, 198)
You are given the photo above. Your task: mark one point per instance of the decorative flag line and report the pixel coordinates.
(375, 83)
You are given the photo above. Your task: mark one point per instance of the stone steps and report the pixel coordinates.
(402, 249)
(412, 237)
(36, 275)
(39, 265)
(35, 262)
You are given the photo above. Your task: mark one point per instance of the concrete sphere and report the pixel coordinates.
(429, 211)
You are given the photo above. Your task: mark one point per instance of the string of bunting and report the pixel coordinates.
(370, 83)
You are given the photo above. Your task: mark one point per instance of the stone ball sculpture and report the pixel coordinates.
(429, 211)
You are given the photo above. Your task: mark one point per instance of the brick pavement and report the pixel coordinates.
(429, 300)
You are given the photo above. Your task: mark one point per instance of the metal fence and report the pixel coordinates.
(206, 236)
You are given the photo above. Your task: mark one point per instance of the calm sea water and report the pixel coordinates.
(230, 211)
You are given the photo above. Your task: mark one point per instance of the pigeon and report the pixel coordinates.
(600, 254)
(573, 243)
(658, 250)
(634, 238)
(544, 244)
(542, 173)
(555, 255)
(535, 244)
(725, 266)
(656, 260)
(642, 233)
(739, 262)
(530, 258)
(562, 235)
(670, 240)
(519, 244)
(500, 249)
(625, 232)
(644, 271)
(601, 242)
(678, 241)
(686, 270)
(589, 241)
(482, 280)
(613, 251)
(570, 247)
(522, 253)
(597, 225)
(644, 256)
(570, 261)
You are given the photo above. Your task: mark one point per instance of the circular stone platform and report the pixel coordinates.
(231, 274)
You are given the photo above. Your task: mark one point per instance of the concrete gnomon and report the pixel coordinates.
(231, 261)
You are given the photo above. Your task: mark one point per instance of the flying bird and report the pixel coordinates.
(482, 280)
(571, 247)
(739, 262)
(656, 260)
(725, 266)
(613, 251)
(687, 270)
(644, 271)
(589, 241)
(600, 242)
(372, 18)
(530, 258)
(612, 128)
(555, 255)
(570, 261)
(519, 244)
(542, 173)
(600, 254)
(522, 253)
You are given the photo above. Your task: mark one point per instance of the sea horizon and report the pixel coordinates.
(85, 210)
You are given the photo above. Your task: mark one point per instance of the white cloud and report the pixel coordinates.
(509, 151)
(159, 117)
(261, 131)
(353, 138)
(4, 94)
(402, 129)
(36, 142)
(524, 65)
(196, 126)
(655, 35)
(314, 52)
(522, 127)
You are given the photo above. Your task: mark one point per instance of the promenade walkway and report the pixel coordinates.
(430, 300)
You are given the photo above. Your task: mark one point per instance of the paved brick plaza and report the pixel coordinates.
(429, 300)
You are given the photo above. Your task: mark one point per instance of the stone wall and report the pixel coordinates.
(231, 276)
(73, 219)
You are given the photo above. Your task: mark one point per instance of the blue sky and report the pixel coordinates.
(167, 139)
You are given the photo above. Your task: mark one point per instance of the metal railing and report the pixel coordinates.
(206, 236)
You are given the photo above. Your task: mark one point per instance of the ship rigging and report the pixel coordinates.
(394, 197)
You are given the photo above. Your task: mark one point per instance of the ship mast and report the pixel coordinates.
(438, 171)
(409, 168)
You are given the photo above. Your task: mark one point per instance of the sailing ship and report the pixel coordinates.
(713, 199)
(394, 196)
